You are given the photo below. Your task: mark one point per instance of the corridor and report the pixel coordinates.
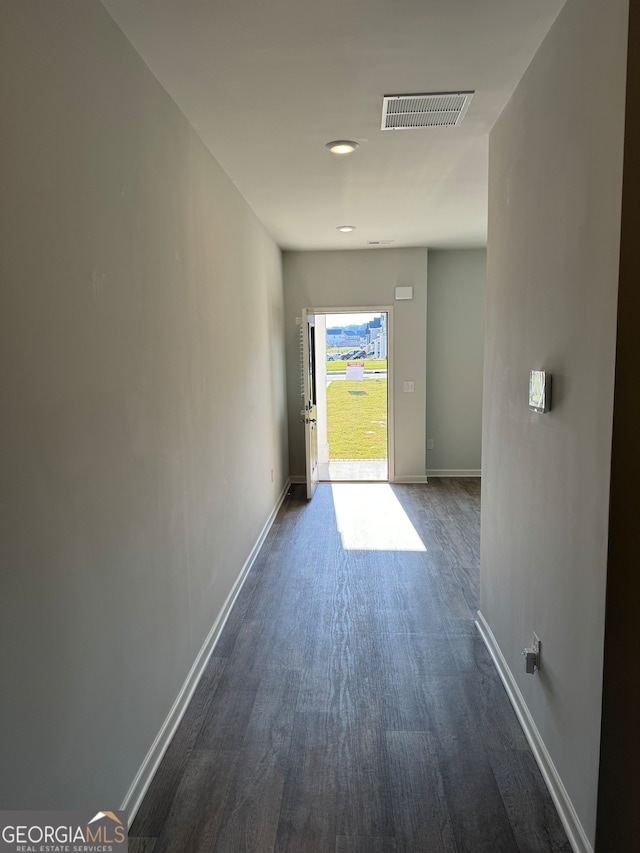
(350, 705)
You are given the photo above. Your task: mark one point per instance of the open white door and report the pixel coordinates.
(310, 400)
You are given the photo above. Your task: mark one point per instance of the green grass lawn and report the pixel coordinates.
(357, 419)
(369, 364)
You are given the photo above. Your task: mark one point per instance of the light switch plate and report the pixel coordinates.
(409, 386)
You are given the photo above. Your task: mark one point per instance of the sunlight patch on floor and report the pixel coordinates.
(370, 517)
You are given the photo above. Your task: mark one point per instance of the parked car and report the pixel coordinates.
(360, 354)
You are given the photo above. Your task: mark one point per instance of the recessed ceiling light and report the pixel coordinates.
(342, 146)
(346, 228)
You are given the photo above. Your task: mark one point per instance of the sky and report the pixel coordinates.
(350, 319)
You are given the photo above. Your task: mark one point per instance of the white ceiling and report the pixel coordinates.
(266, 83)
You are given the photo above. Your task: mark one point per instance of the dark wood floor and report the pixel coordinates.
(350, 705)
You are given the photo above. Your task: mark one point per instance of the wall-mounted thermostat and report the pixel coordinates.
(540, 391)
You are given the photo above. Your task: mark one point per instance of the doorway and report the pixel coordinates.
(353, 353)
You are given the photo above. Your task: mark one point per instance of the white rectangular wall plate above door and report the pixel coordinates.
(404, 292)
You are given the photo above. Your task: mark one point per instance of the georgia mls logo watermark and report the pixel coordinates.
(63, 832)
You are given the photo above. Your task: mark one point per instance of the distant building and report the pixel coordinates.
(350, 338)
(354, 336)
(378, 337)
(374, 328)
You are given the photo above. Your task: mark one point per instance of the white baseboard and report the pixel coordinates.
(410, 478)
(453, 472)
(416, 478)
(574, 829)
(149, 766)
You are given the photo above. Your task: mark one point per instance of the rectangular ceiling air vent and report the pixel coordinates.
(408, 112)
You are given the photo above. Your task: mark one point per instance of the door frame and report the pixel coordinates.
(310, 383)
(373, 309)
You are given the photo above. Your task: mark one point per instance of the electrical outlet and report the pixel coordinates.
(409, 386)
(429, 444)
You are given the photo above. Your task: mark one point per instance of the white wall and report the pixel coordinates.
(360, 279)
(455, 341)
(555, 172)
(142, 362)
